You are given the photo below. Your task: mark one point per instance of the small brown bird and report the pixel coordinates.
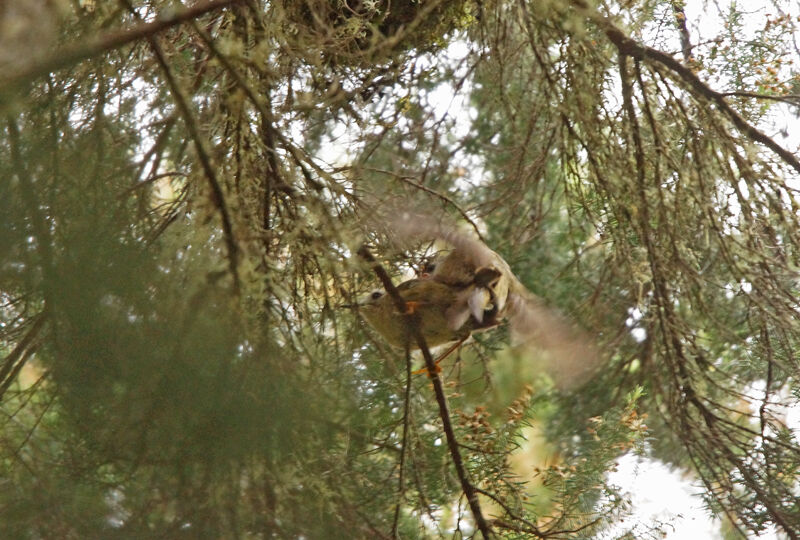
(482, 276)
(430, 301)
(473, 289)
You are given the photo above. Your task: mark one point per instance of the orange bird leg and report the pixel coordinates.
(444, 355)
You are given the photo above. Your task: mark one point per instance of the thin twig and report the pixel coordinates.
(683, 31)
(762, 410)
(13, 362)
(469, 490)
(150, 180)
(792, 99)
(266, 114)
(403, 446)
(39, 223)
(531, 528)
(441, 196)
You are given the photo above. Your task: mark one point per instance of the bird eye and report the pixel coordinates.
(429, 268)
(376, 295)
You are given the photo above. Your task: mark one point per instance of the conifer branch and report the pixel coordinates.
(469, 490)
(634, 49)
(403, 443)
(71, 55)
(217, 195)
(15, 360)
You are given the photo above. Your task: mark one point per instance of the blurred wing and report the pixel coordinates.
(567, 354)
(467, 260)
(409, 227)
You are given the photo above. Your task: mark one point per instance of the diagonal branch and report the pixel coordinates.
(634, 49)
(791, 99)
(269, 123)
(268, 130)
(218, 196)
(70, 55)
(15, 360)
(401, 487)
(469, 490)
(683, 31)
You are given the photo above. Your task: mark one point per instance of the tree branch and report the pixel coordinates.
(791, 99)
(70, 55)
(401, 487)
(267, 117)
(13, 362)
(632, 48)
(218, 197)
(466, 486)
(683, 30)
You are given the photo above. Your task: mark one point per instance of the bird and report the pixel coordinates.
(482, 277)
(470, 288)
(429, 301)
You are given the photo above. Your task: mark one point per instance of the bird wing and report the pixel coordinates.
(567, 353)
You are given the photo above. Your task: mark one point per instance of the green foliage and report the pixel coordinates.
(181, 206)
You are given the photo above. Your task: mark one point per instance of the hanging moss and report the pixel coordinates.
(359, 32)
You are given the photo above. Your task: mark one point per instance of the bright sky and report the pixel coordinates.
(660, 494)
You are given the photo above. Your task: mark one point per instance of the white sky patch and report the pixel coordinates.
(660, 494)
(335, 147)
(639, 334)
(634, 317)
(785, 121)
(793, 419)
(663, 495)
(783, 406)
(448, 101)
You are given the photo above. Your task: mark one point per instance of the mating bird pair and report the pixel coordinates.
(473, 289)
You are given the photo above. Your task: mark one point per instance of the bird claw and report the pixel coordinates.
(424, 370)
(444, 355)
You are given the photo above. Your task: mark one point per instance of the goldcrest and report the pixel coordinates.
(431, 304)
(472, 289)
